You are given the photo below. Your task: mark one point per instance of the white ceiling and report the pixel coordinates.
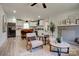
(24, 10)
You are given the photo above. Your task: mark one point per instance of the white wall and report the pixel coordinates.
(59, 17)
(3, 36)
(69, 33)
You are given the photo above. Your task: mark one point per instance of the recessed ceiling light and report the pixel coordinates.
(38, 16)
(14, 11)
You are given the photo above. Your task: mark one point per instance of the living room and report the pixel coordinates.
(20, 21)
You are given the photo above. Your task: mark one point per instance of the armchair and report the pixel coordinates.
(33, 41)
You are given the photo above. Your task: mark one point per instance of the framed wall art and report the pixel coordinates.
(4, 23)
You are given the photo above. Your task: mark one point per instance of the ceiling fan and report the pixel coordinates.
(43, 4)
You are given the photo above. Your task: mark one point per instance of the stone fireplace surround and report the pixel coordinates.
(70, 33)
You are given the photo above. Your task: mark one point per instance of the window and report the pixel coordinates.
(26, 26)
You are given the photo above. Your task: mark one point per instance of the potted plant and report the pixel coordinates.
(58, 39)
(52, 27)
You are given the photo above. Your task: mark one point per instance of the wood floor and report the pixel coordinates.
(11, 46)
(17, 46)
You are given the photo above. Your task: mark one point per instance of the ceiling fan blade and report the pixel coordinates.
(33, 4)
(44, 5)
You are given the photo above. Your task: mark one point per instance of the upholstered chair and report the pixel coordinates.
(33, 41)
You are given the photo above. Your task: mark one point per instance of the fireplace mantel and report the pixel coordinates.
(64, 25)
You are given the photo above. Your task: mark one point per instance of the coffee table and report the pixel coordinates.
(60, 46)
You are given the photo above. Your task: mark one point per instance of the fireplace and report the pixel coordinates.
(76, 40)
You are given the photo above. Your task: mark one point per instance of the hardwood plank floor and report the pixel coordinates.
(17, 47)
